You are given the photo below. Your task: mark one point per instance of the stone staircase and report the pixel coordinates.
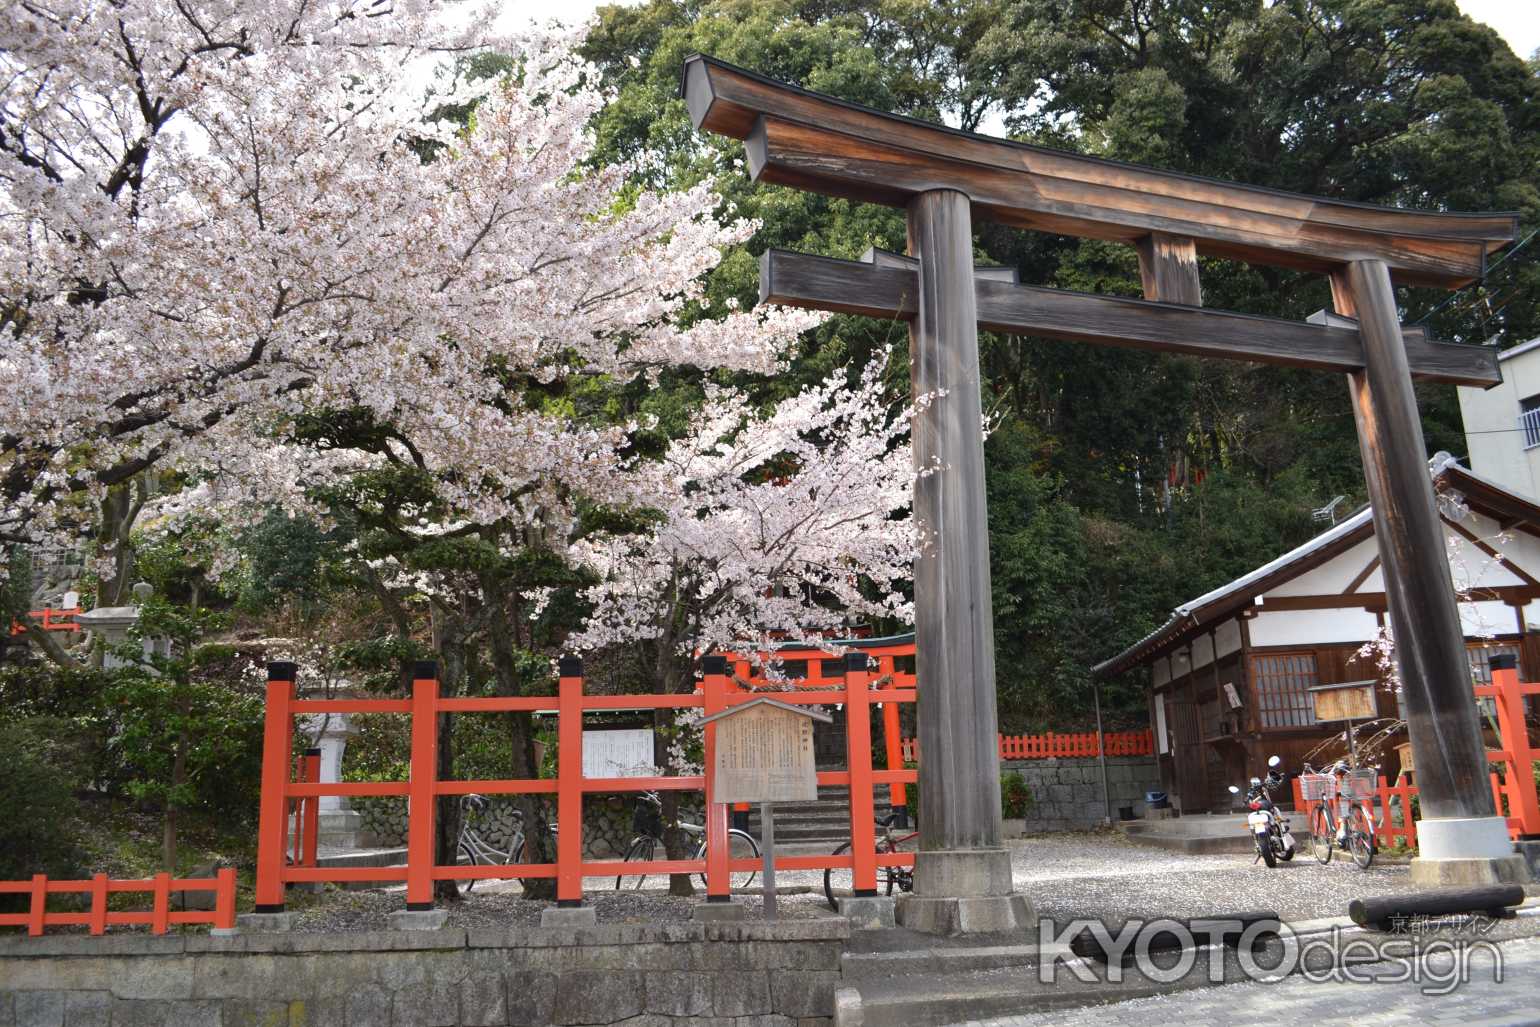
(820, 825)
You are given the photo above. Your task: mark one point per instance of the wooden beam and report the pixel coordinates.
(1507, 564)
(1509, 594)
(888, 289)
(1362, 576)
(1168, 268)
(826, 145)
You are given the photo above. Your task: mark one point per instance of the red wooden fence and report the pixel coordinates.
(889, 656)
(1518, 755)
(50, 620)
(304, 816)
(1056, 745)
(98, 918)
(857, 690)
(1514, 791)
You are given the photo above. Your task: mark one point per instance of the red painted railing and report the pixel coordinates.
(858, 689)
(50, 620)
(304, 817)
(98, 918)
(1513, 792)
(884, 656)
(1056, 745)
(1518, 784)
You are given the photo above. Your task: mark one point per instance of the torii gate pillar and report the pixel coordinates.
(1462, 840)
(962, 878)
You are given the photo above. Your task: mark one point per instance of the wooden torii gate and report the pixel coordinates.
(942, 177)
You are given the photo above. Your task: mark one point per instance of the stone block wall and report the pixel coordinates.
(643, 975)
(1067, 793)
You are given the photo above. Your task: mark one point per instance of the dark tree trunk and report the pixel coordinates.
(449, 633)
(538, 843)
(671, 675)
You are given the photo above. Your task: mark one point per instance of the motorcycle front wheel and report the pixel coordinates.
(1286, 853)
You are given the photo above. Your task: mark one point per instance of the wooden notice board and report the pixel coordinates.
(1351, 700)
(764, 753)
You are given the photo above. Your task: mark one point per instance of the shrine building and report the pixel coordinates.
(1230, 671)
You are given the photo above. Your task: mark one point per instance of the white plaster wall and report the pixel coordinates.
(1162, 672)
(1202, 651)
(1495, 449)
(1227, 637)
(1480, 620)
(1311, 627)
(1333, 576)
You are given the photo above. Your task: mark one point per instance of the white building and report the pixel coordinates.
(1502, 423)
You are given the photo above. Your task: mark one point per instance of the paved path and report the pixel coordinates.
(1481, 1002)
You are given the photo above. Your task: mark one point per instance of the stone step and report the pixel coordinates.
(877, 966)
(956, 983)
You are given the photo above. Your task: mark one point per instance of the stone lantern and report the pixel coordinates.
(112, 625)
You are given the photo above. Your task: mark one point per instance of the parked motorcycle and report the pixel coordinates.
(1269, 828)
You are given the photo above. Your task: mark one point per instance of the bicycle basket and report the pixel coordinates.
(1360, 784)
(646, 819)
(1316, 787)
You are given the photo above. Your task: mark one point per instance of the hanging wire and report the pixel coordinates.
(1476, 285)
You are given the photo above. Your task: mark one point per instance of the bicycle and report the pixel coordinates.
(1351, 829)
(647, 823)
(839, 882)
(473, 849)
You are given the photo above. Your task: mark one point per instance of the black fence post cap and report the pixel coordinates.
(1503, 661)
(283, 671)
(714, 664)
(570, 666)
(857, 662)
(425, 670)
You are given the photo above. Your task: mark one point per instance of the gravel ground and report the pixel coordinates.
(1104, 875)
(1066, 875)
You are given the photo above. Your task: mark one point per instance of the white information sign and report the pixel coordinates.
(621, 752)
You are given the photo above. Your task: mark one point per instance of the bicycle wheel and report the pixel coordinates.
(741, 845)
(838, 881)
(639, 852)
(1321, 833)
(465, 857)
(900, 877)
(1360, 837)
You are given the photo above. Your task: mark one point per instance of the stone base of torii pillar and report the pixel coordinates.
(964, 891)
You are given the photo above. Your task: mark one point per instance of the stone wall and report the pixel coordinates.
(1067, 793)
(643, 975)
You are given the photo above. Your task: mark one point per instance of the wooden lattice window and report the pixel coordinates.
(1481, 654)
(1283, 682)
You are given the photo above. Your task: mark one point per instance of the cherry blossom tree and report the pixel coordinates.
(779, 526)
(217, 215)
(243, 241)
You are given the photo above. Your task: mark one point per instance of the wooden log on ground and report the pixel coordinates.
(1385, 911)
